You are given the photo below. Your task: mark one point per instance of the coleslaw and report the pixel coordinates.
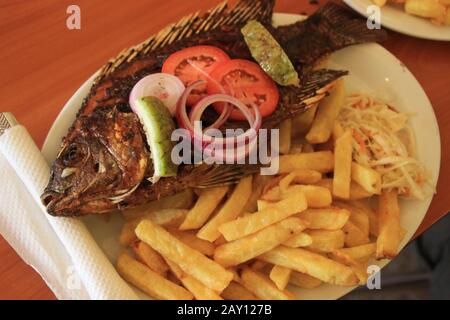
(383, 140)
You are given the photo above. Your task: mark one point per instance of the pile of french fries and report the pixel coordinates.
(436, 10)
(311, 224)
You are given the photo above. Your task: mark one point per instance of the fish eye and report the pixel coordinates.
(74, 154)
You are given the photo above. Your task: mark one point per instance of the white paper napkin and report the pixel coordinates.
(61, 249)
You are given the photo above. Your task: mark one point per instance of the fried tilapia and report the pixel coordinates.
(104, 161)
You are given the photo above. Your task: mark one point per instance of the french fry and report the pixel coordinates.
(167, 217)
(301, 123)
(358, 217)
(301, 146)
(276, 212)
(203, 208)
(198, 289)
(259, 181)
(297, 146)
(301, 176)
(285, 136)
(304, 281)
(425, 8)
(373, 217)
(358, 267)
(322, 161)
(244, 249)
(258, 264)
(272, 183)
(359, 253)
(390, 232)
(356, 191)
(261, 286)
(367, 178)
(235, 291)
(280, 276)
(220, 241)
(342, 165)
(163, 217)
(316, 196)
(230, 210)
(149, 281)
(203, 246)
(338, 131)
(354, 236)
(331, 218)
(152, 259)
(262, 204)
(326, 240)
(327, 112)
(311, 263)
(274, 194)
(182, 200)
(245, 213)
(299, 240)
(308, 148)
(191, 261)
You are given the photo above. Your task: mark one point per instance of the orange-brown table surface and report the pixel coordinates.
(43, 63)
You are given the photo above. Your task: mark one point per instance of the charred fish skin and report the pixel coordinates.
(80, 185)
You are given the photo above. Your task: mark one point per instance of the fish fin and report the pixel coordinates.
(314, 87)
(193, 24)
(216, 175)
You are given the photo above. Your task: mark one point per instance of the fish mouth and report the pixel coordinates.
(50, 200)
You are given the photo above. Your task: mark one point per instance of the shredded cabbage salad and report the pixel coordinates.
(383, 140)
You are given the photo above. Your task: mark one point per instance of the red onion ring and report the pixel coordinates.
(225, 114)
(167, 87)
(255, 123)
(214, 147)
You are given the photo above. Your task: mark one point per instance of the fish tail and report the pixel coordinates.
(331, 28)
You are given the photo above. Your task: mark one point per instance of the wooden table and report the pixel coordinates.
(43, 63)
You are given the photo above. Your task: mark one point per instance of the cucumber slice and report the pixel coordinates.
(158, 126)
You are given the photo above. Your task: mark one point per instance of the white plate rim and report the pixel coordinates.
(423, 29)
(54, 136)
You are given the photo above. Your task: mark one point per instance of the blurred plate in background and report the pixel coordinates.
(395, 18)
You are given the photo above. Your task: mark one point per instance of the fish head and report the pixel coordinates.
(102, 160)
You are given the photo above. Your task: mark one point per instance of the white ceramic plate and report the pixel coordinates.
(395, 18)
(372, 69)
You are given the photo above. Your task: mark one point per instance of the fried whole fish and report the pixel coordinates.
(104, 159)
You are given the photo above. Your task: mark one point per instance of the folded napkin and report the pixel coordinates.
(61, 250)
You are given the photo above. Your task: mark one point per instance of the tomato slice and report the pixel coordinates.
(205, 58)
(246, 81)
